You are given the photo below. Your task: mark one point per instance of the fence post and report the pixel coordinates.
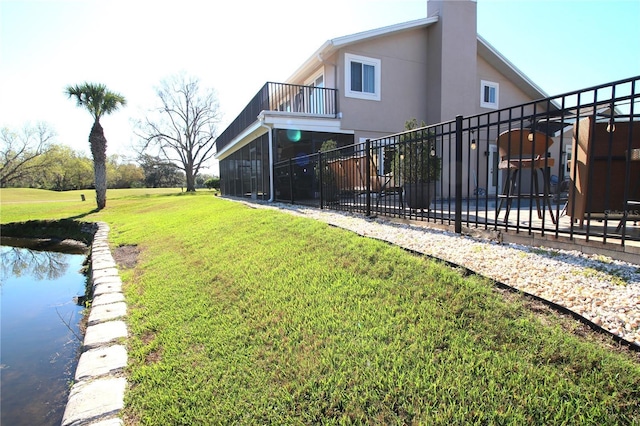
(320, 183)
(458, 212)
(367, 174)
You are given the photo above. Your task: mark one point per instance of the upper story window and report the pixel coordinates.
(489, 93)
(362, 77)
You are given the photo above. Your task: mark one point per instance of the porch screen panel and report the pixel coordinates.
(263, 166)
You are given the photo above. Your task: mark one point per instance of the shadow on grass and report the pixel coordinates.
(82, 215)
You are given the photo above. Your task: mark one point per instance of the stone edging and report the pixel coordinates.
(97, 396)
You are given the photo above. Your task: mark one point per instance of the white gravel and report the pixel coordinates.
(601, 289)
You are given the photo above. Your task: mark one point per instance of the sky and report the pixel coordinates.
(236, 46)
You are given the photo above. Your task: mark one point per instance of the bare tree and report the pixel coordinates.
(19, 151)
(183, 128)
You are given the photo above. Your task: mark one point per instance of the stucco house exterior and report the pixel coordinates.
(366, 85)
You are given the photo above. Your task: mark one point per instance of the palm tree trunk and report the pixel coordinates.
(99, 151)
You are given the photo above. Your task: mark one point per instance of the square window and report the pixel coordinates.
(489, 94)
(362, 77)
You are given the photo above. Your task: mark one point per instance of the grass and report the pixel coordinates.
(252, 316)
(23, 204)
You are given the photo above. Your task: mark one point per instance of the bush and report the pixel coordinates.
(213, 183)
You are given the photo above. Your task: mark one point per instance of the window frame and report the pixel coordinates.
(490, 85)
(377, 72)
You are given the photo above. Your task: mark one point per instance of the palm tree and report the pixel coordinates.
(98, 101)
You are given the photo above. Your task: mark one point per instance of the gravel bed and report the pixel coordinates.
(601, 289)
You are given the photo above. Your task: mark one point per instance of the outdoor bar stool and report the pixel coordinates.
(523, 149)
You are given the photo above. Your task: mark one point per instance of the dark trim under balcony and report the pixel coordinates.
(306, 100)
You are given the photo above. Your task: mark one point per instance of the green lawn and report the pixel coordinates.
(250, 316)
(22, 204)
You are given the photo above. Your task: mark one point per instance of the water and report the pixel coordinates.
(40, 336)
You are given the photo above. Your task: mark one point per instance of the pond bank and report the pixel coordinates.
(97, 396)
(67, 245)
(64, 232)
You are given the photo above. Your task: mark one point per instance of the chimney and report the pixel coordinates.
(452, 60)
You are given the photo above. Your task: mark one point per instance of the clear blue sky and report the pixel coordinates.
(236, 46)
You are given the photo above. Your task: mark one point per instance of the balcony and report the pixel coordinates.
(291, 98)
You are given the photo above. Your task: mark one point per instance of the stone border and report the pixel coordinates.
(97, 396)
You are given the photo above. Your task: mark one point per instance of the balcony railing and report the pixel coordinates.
(305, 100)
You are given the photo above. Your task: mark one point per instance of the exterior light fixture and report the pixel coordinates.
(611, 126)
(473, 140)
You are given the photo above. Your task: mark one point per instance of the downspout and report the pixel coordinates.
(271, 187)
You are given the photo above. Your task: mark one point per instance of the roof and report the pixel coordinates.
(334, 44)
(502, 64)
(485, 50)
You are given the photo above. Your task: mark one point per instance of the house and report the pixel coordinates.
(366, 85)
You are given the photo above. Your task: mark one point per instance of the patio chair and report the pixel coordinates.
(523, 149)
(385, 184)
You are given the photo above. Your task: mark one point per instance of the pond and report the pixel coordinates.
(40, 333)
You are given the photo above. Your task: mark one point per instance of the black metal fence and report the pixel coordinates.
(566, 166)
